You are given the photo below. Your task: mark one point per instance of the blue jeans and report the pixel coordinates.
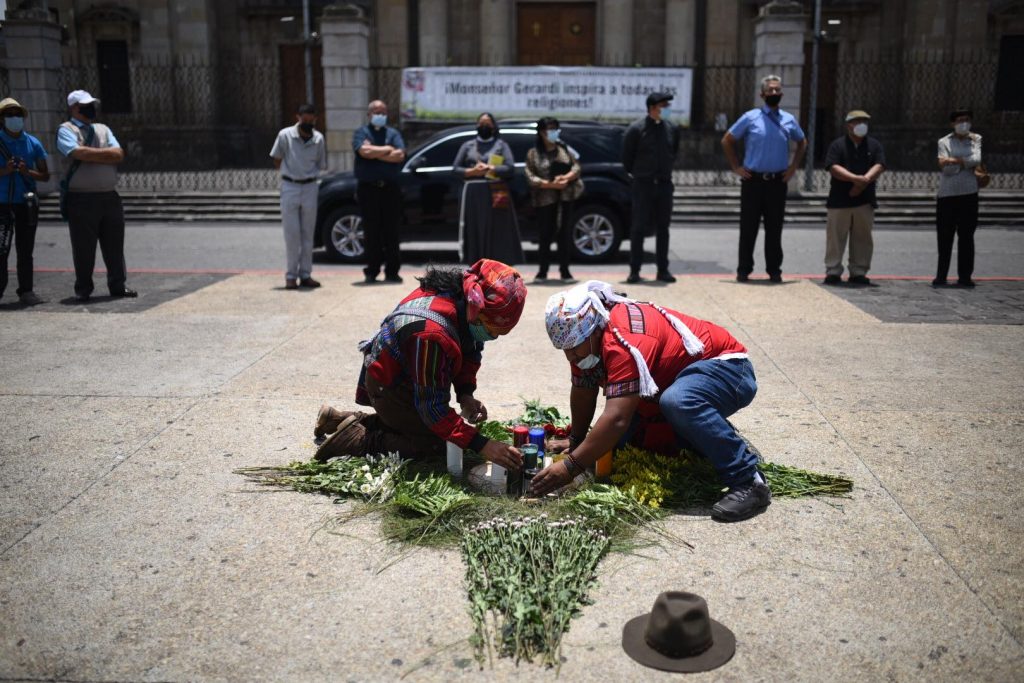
(696, 405)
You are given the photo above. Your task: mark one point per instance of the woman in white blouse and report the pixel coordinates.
(956, 210)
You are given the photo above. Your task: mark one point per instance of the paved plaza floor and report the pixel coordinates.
(130, 551)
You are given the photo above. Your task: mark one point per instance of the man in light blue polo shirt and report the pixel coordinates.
(766, 133)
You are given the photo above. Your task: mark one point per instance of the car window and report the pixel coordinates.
(520, 142)
(443, 153)
(596, 146)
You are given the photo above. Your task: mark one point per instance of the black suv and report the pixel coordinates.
(431, 192)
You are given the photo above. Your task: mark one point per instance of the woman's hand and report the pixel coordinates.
(502, 454)
(550, 479)
(472, 409)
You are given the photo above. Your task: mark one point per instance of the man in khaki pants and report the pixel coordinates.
(855, 162)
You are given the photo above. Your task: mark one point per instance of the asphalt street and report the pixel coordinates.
(695, 249)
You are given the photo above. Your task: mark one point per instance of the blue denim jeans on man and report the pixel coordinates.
(697, 404)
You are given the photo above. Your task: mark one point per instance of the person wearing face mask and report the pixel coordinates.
(649, 148)
(380, 151)
(766, 133)
(89, 198)
(300, 153)
(430, 344)
(956, 207)
(651, 362)
(855, 161)
(487, 218)
(553, 174)
(24, 162)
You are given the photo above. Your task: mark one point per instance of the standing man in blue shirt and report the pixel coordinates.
(300, 153)
(766, 132)
(380, 152)
(24, 162)
(94, 211)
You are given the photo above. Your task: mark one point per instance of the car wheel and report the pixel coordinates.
(596, 233)
(342, 235)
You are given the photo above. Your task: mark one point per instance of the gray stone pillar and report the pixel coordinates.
(433, 32)
(680, 29)
(779, 33)
(33, 64)
(496, 32)
(345, 36)
(616, 32)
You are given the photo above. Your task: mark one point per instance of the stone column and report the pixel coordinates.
(779, 33)
(345, 36)
(680, 29)
(616, 32)
(433, 32)
(497, 28)
(33, 63)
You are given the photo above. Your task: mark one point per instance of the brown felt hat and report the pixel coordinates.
(678, 635)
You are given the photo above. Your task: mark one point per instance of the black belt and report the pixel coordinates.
(298, 182)
(755, 175)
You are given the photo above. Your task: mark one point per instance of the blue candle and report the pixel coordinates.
(537, 437)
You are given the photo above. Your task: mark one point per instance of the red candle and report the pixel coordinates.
(520, 435)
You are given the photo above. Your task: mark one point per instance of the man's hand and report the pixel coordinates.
(856, 190)
(742, 172)
(550, 479)
(502, 454)
(9, 168)
(788, 175)
(472, 409)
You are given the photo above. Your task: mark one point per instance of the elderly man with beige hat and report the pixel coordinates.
(89, 199)
(23, 163)
(855, 162)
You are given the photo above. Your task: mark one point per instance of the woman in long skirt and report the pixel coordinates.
(487, 218)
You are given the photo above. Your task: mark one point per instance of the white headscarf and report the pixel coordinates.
(572, 316)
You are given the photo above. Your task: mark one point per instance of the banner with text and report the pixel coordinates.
(598, 93)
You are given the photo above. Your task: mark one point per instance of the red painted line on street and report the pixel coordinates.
(341, 271)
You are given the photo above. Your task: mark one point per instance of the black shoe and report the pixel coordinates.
(833, 280)
(743, 502)
(777, 278)
(369, 278)
(568, 279)
(82, 298)
(125, 294)
(665, 276)
(393, 278)
(309, 283)
(542, 276)
(859, 280)
(966, 283)
(742, 277)
(634, 277)
(940, 283)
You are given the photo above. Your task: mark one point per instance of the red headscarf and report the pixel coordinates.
(495, 293)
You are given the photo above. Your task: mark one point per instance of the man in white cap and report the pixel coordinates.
(89, 199)
(653, 360)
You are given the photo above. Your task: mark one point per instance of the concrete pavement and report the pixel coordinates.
(129, 550)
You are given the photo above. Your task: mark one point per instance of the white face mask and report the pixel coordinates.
(963, 128)
(588, 363)
(860, 130)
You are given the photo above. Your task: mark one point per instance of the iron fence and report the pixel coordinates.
(177, 114)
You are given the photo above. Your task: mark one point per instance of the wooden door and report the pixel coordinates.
(293, 83)
(556, 33)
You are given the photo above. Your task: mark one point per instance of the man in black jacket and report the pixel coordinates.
(648, 151)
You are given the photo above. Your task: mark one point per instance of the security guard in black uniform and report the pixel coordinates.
(649, 150)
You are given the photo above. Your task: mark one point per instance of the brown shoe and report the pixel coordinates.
(291, 284)
(348, 439)
(309, 283)
(328, 419)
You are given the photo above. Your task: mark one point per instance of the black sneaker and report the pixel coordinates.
(859, 280)
(940, 283)
(742, 277)
(665, 276)
(396, 278)
(743, 502)
(776, 278)
(634, 277)
(542, 276)
(125, 293)
(367, 277)
(833, 280)
(965, 283)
